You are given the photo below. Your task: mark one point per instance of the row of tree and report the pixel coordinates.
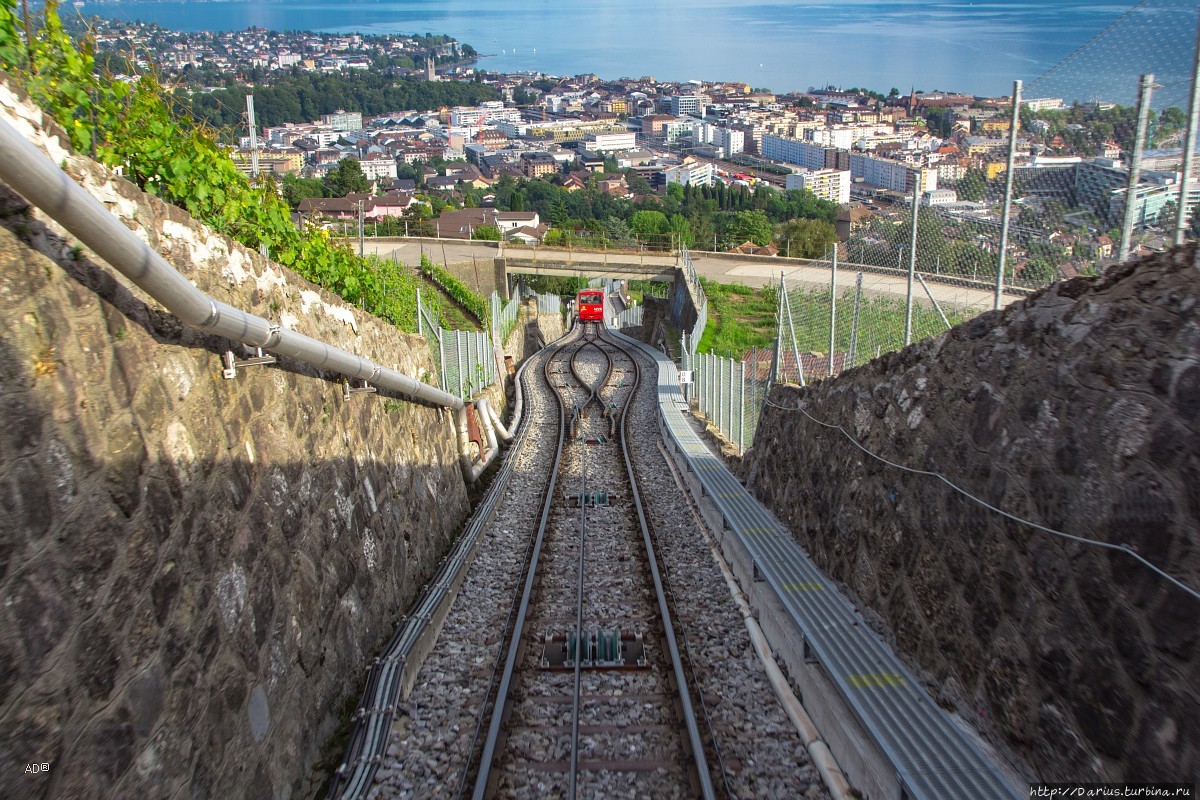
(301, 96)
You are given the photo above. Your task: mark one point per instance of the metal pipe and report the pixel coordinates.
(32, 174)
(1008, 190)
(1145, 92)
(933, 300)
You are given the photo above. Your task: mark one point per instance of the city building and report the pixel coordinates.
(689, 104)
(828, 184)
(343, 120)
(888, 174)
(690, 173)
(611, 142)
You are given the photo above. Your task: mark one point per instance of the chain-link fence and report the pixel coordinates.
(856, 316)
(465, 360)
(549, 304)
(629, 318)
(504, 315)
(689, 294)
(731, 393)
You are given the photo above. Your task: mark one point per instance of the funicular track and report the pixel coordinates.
(606, 713)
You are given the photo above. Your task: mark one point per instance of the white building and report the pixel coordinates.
(689, 104)
(939, 197)
(888, 174)
(343, 120)
(828, 184)
(378, 167)
(692, 173)
(841, 138)
(1043, 103)
(488, 112)
(611, 142)
(794, 151)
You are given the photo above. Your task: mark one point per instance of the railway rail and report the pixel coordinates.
(593, 699)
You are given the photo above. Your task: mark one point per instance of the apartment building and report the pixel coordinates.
(689, 104)
(491, 111)
(888, 174)
(828, 184)
(692, 173)
(806, 154)
(343, 120)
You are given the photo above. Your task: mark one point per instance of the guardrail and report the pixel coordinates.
(40, 181)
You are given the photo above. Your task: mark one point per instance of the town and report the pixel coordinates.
(466, 171)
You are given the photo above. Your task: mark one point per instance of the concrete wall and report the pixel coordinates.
(195, 571)
(1077, 408)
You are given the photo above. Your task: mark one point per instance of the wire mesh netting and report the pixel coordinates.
(856, 316)
(504, 315)
(629, 318)
(731, 393)
(465, 360)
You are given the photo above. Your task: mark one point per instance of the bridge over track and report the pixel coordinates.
(494, 261)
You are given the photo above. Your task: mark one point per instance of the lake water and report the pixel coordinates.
(782, 45)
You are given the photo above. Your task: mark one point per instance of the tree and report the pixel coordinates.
(648, 223)
(750, 226)
(517, 201)
(488, 233)
(972, 186)
(296, 189)
(346, 177)
(805, 238)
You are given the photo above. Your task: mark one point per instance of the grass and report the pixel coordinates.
(453, 316)
(741, 318)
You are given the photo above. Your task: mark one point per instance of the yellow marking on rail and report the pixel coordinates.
(808, 586)
(730, 495)
(876, 680)
(756, 530)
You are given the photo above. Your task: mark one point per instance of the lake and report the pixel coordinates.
(781, 45)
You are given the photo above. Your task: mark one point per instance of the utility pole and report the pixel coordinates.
(361, 240)
(253, 138)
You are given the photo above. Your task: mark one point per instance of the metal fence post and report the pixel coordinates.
(458, 352)
(912, 257)
(1189, 146)
(832, 307)
(742, 413)
(1008, 190)
(1145, 93)
(778, 331)
(729, 404)
(420, 324)
(854, 320)
(442, 359)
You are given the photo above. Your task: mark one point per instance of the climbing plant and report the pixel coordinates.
(137, 126)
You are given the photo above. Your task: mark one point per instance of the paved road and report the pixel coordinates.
(723, 267)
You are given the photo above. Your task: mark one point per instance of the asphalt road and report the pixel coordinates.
(722, 267)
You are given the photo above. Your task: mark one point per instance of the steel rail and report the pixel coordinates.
(368, 738)
(518, 628)
(699, 761)
(931, 757)
(40, 181)
(510, 621)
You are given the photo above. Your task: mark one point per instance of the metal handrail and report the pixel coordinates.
(40, 181)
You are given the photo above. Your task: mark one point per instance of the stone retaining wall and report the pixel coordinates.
(195, 571)
(1077, 408)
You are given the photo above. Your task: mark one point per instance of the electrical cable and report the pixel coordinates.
(1123, 548)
